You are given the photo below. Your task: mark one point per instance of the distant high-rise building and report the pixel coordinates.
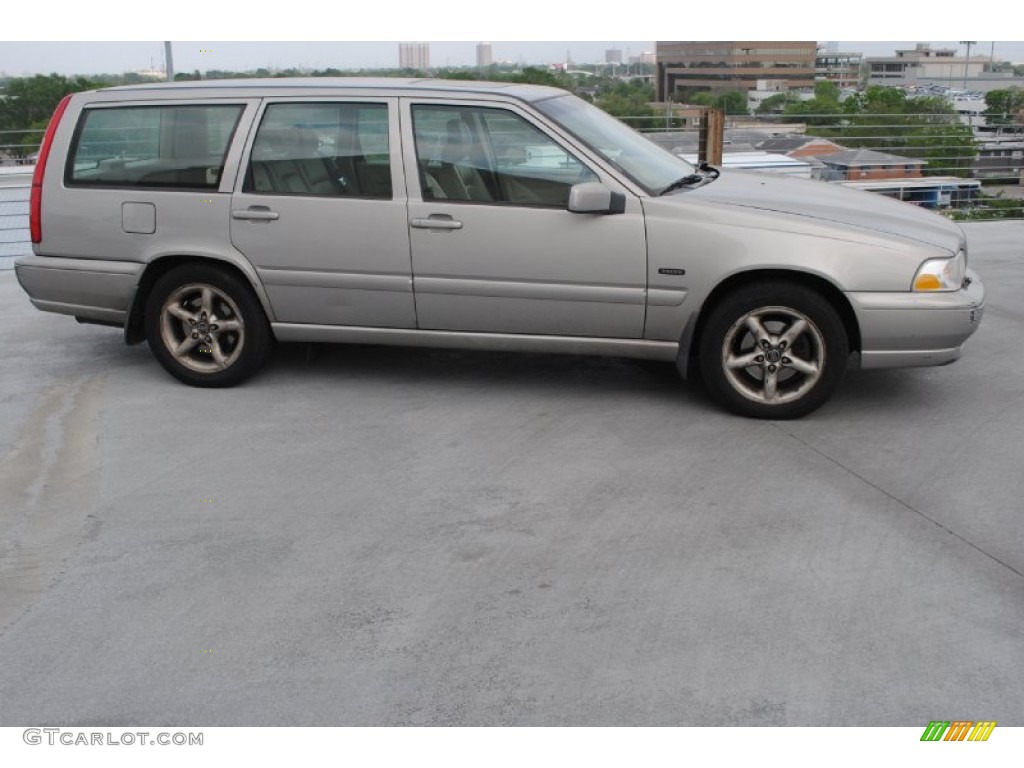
(613, 56)
(414, 55)
(484, 56)
(686, 68)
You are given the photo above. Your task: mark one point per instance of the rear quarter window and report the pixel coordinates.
(164, 147)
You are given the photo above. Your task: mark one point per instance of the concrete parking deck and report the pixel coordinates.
(414, 537)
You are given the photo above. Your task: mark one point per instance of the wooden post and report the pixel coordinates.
(712, 136)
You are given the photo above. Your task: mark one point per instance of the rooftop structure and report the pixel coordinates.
(764, 162)
(869, 164)
(800, 146)
(924, 65)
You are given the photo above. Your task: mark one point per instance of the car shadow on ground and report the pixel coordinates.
(513, 370)
(885, 392)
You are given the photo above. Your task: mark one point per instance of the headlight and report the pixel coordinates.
(941, 274)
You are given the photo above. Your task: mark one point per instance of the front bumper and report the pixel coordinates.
(91, 289)
(914, 329)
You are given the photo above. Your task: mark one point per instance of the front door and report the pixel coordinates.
(494, 248)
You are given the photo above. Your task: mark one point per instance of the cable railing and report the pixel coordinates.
(18, 147)
(14, 233)
(959, 165)
(17, 159)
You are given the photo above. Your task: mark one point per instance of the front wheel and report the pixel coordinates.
(773, 351)
(206, 327)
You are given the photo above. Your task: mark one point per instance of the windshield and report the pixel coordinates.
(650, 166)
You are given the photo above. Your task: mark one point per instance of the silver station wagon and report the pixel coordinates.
(212, 218)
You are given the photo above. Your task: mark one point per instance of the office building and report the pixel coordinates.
(687, 68)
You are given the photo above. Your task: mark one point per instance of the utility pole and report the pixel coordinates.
(967, 63)
(168, 61)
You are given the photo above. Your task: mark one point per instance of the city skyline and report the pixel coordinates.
(83, 58)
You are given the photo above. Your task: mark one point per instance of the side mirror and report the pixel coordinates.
(595, 197)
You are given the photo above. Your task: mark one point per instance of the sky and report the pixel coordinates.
(104, 36)
(26, 58)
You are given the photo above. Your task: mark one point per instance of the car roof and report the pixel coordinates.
(393, 85)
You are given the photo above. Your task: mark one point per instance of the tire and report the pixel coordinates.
(206, 327)
(758, 324)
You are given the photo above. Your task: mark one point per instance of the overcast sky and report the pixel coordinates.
(560, 25)
(21, 58)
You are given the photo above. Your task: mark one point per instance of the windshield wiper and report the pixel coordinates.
(704, 173)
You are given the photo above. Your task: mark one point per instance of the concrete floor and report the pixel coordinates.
(385, 536)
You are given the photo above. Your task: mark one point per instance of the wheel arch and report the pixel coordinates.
(690, 342)
(134, 329)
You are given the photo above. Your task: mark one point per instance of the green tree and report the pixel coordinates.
(820, 110)
(31, 100)
(733, 103)
(730, 102)
(628, 101)
(537, 76)
(1003, 106)
(826, 90)
(462, 74)
(812, 112)
(949, 149)
(887, 120)
(776, 104)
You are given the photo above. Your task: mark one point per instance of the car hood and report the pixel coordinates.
(824, 201)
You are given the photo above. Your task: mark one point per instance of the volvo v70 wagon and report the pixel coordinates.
(212, 218)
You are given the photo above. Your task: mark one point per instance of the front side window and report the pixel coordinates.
(488, 155)
(170, 147)
(322, 150)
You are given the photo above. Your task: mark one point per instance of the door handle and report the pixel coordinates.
(436, 221)
(256, 213)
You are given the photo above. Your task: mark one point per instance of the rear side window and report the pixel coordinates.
(322, 149)
(168, 147)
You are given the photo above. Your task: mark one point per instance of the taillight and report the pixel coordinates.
(35, 211)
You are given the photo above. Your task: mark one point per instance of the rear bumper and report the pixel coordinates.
(917, 329)
(87, 288)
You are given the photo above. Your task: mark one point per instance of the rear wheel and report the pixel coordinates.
(206, 327)
(773, 350)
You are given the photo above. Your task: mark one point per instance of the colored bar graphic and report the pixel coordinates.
(982, 730)
(935, 730)
(958, 730)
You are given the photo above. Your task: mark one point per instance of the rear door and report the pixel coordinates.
(320, 211)
(494, 247)
(143, 178)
